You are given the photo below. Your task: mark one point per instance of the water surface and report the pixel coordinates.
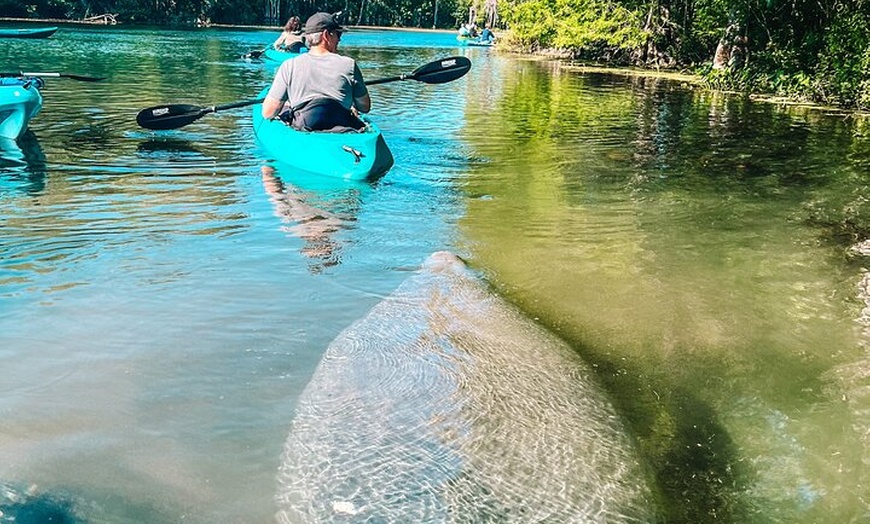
(695, 248)
(165, 297)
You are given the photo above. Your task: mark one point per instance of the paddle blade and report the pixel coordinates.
(170, 116)
(253, 55)
(82, 78)
(442, 71)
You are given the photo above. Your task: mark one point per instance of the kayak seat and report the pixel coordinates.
(295, 47)
(322, 114)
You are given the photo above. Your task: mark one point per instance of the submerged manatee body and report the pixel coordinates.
(19, 506)
(445, 404)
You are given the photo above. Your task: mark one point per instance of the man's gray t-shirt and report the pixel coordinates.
(311, 76)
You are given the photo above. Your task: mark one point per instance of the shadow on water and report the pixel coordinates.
(689, 451)
(22, 165)
(158, 146)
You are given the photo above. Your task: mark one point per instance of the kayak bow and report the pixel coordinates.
(20, 101)
(27, 33)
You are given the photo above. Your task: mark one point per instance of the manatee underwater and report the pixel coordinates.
(29, 506)
(446, 404)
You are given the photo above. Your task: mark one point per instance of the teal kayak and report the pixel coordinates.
(476, 42)
(20, 101)
(28, 33)
(275, 56)
(351, 156)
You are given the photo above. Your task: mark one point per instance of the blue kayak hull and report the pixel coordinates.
(349, 156)
(275, 56)
(476, 42)
(28, 33)
(20, 101)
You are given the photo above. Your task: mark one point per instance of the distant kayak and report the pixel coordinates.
(350, 156)
(20, 101)
(28, 33)
(476, 42)
(275, 56)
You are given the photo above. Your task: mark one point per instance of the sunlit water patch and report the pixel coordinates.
(166, 296)
(670, 235)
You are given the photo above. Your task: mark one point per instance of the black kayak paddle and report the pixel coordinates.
(173, 116)
(437, 72)
(253, 55)
(54, 75)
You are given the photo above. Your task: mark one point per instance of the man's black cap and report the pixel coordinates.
(321, 22)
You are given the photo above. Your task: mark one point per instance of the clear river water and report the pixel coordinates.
(165, 297)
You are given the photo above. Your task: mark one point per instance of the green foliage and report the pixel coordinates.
(13, 8)
(812, 49)
(844, 65)
(408, 13)
(581, 25)
(532, 23)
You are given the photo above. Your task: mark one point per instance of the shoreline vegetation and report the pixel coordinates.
(807, 51)
(565, 59)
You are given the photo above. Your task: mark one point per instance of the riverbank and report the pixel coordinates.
(694, 80)
(59, 21)
(562, 57)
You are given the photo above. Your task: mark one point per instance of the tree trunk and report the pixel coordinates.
(362, 8)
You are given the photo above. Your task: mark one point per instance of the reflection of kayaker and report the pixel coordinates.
(313, 225)
(22, 165)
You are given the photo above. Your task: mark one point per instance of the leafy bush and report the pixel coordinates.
(584, 26)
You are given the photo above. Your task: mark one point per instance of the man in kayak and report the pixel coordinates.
(486, 36)
(319, 90)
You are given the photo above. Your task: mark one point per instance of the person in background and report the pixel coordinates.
(291, 36)
(486, 35)
(319, 90)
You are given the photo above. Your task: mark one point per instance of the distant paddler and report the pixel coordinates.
(290, 39)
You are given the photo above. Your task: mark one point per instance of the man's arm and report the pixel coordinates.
(362, 104)
(271, 107)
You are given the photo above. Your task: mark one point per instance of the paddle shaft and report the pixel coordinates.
(55, 75)
(177, 115)
(234, 105)
(386, 80)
